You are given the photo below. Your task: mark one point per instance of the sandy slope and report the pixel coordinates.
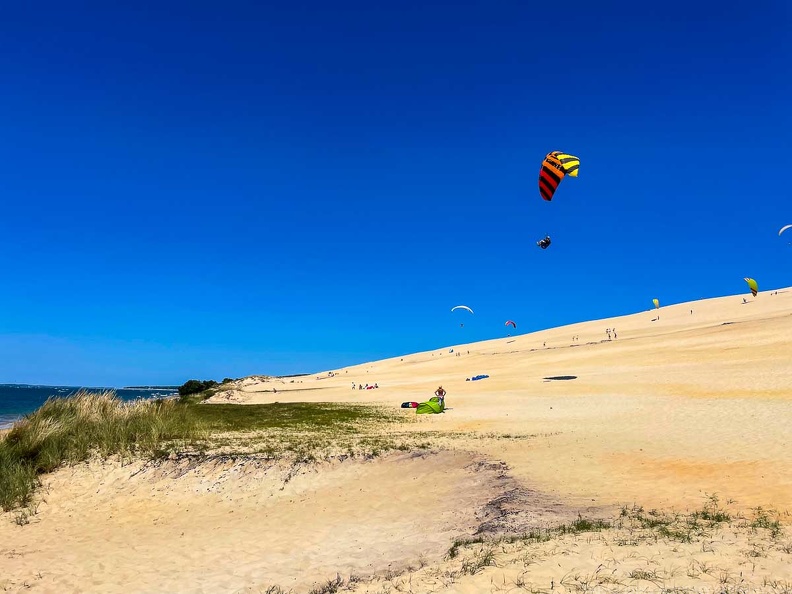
(673, 408)
(224, 525)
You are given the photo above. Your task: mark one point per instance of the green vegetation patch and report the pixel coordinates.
(321, 416)
(72, 429)
(68, 430)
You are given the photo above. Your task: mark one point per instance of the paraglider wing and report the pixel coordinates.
(752, 285)
(462, 307)
(510, 323)
(656, 303)
(554, 167)
(784, 228)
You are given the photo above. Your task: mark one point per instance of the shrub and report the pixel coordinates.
(194, 386)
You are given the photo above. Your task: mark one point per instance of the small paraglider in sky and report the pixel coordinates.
(544, 243)
(656, 303)
(784, 228)
(510, 323)
(752, 285)
(554, 167)
(461, 307)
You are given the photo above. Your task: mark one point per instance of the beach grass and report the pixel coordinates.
(316, 416)
(304, 431)
(72, 429)
(68, 430)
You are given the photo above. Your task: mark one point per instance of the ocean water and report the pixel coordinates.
(17, 400)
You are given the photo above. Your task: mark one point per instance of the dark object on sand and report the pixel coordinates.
(561, 377)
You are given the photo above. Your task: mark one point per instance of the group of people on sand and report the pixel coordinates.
(610, 332)
(362, 387)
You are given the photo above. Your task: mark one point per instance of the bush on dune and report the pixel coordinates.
(195, 386)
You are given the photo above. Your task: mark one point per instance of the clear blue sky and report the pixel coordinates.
(210, 189)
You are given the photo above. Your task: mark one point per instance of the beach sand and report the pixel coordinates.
(673, 410)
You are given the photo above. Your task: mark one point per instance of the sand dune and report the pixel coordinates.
(160, 528)
(671, 410)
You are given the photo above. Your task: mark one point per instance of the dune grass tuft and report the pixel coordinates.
(72, 429)
(68, 430)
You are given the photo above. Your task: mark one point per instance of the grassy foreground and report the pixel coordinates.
(70, 430)
(712, 550)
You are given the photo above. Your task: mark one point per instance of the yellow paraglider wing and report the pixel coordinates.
(752, 285)
(570, 164)
(656, 303)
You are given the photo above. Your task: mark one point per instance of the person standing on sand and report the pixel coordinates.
(353, 385)
(440, 393)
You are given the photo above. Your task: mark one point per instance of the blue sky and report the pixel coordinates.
(196, 189)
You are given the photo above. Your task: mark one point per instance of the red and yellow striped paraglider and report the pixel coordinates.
(554, 167)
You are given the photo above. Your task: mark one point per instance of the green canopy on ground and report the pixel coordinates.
(434, 406)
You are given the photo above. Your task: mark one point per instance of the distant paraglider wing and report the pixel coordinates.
(554, 167)
(656, 303)
(510, 323)
(752, 285)
(784, 228)
(462, 307)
